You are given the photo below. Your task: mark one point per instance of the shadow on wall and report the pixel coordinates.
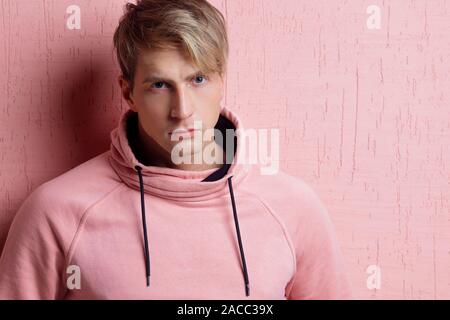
(81, 104)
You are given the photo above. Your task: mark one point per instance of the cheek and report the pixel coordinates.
(154, 123)
(212, 115)
(211, 111)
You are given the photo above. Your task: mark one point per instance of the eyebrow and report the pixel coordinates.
(156, 77)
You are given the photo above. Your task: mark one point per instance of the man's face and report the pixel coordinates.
(169, 93)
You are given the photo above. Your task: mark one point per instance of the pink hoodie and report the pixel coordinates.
(113, 228)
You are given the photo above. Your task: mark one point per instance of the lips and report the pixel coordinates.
(183, 133)
(179, 131)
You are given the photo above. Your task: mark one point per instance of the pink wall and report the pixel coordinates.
(363, 114)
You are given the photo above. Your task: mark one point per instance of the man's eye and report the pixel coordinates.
(156, 84)
(201, 77)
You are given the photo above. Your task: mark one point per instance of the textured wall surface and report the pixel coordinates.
(360, 92)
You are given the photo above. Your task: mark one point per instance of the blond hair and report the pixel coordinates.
(195, 27)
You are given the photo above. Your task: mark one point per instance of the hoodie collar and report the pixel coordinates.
(170, 183)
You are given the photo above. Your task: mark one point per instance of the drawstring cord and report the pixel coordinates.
(144, 224)
(236, 222)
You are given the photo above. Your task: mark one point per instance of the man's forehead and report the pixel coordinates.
(157, 65)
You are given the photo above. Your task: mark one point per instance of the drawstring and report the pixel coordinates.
(236, 222)
(144, 224)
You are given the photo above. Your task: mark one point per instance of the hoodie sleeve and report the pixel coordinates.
(32, 261)
(321, 273)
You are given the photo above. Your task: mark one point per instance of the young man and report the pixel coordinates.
(136, 223)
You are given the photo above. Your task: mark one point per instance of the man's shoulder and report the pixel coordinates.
(280, 184)
(78, 187)
(289, 197)
(54, 209)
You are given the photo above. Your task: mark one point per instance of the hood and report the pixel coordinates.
(175, 184)
(169, 183)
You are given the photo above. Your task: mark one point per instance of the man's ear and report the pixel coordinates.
(126, 92)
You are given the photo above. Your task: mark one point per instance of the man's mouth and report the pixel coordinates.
(181, 134)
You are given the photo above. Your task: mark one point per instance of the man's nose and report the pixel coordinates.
(182, 105)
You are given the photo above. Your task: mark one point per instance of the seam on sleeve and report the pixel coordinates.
(285, 233)
(81, 223)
